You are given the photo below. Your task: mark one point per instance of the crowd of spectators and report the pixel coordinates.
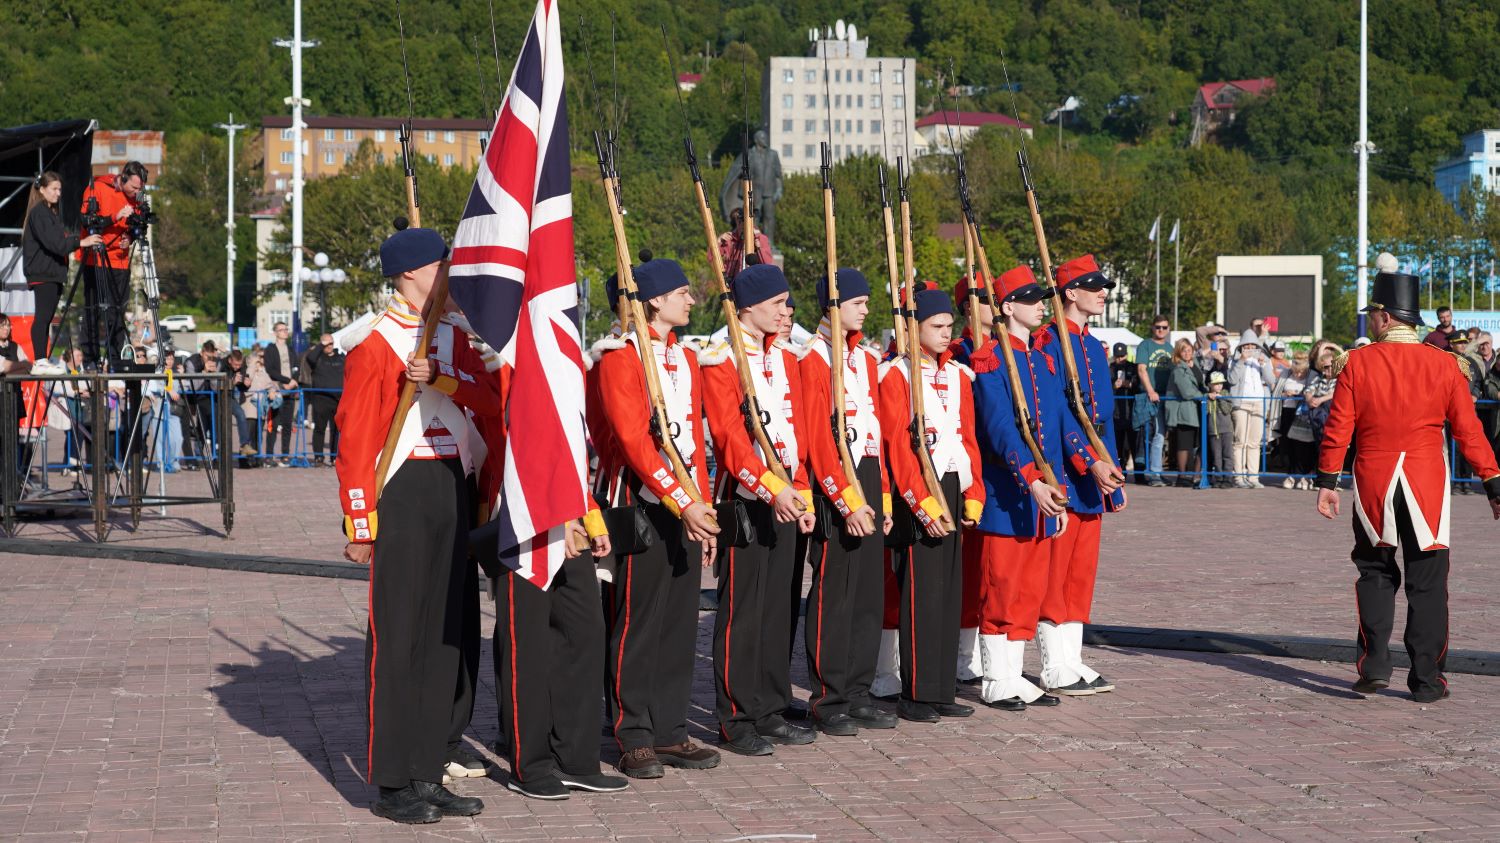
(1242, 410)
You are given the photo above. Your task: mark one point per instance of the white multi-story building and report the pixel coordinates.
(865, 105)
(1478, 166)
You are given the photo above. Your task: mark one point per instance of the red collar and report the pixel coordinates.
(671, 336)
(1018, 344)
(1075, 328)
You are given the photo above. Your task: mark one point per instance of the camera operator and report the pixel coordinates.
(109, 204)
(284, 371)
(45, 245)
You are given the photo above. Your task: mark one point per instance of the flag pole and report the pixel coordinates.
(1156, 238)
(1176, 267)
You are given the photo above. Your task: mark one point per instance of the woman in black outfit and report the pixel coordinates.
(45, 247)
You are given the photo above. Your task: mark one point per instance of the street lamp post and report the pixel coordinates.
(231, 127)
(324, 275)
(296, 101)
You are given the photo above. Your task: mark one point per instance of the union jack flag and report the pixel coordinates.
(512, 273)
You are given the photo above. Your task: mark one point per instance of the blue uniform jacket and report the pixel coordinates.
(1099, 399)
(1008, 466)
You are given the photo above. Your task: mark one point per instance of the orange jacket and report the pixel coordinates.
(373, 378)
(1394, 397)
(817, 395)
(737, 457)
(895, 422)
(626, 406)
(111, 200)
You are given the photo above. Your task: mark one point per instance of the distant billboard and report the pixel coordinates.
(1285, 288)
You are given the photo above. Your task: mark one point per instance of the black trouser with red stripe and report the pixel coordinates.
(653, 638)
(468, 649)
(844, 608)
(931, 574)
(412, 647)
(549, 655)
(751, 675)
(1426, 635)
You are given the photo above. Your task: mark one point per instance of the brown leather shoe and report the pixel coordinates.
(688, 755)
(641, 763)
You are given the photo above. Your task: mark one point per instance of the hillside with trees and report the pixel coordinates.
(1281, 181)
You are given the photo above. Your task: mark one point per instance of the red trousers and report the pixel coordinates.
(1075, 562)
(973, 606)
(1015, 572)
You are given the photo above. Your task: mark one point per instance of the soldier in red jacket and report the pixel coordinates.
(1395, 395)
(846, 600)
(417, 556)
(653, 601)
(751, 637)
(930, 571)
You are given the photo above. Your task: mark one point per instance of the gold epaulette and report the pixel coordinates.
(1339, 363)
(1464, 367)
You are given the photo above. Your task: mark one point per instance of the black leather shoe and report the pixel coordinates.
(870, 717)
(839, 725)
(788, 734)
(916, 712)
(1101, 685)
(751, 745)
(1008, 704)
(404, 805)
(886, 698)
(1045, 701)
(953, 709)
(1367, 685)
(547, 787)
(448, 803)
(1429, 695)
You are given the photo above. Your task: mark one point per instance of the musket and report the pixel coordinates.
(838, 344)
(661, 423)
(437, 298)
(755, 418)
(1059, 321)
(898, 324)
(914, 352)
(1024, 421)
(747, 217)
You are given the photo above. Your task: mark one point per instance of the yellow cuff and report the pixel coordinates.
(807, 498)
(445, 384)
(973, 510)
(593, 523)
(852, 499)
(773, 484)
(930, 506)
(885, 503)
(360, 530)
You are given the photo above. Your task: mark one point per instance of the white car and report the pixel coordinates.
(180, 322)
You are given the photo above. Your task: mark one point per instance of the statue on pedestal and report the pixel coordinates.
(765, 181)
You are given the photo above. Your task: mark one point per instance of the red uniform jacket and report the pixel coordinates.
(373, 377)
(1395, 396)
(817, 395)
(601, 434)
(627, 408)
(895, 419)
(737, 455)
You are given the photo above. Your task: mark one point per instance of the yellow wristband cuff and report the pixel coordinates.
(852, 498)
(973, 510)
(930, 506)
(773, 484)
(445, 384)
(807, 498)
(885, 503)
(593, 523)
(361, 529)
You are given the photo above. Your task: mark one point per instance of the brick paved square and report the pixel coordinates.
(160, 702)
